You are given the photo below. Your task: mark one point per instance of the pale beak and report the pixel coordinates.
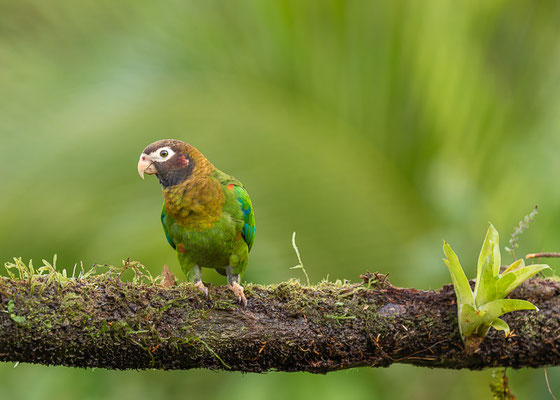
(145, 166)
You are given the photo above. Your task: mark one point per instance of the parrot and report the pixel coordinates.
(207, 215)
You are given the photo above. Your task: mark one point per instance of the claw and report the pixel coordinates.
(202, 288)
(237, 289)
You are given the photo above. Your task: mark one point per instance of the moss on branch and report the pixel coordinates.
(101, 321)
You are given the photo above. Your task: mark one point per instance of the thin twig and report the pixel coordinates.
(543, 255)
(548, 385)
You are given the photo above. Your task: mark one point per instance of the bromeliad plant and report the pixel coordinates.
(480, 310)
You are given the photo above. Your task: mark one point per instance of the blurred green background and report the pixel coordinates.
(373, 129)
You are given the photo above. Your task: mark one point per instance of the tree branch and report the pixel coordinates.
(103, 322)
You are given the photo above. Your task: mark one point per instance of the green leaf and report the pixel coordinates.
(460, 282)
(14, 317)
(503, 283)
(497, 259)
(514, 265)
(491, 245)
(523, 274)
(496, 308)
(485, 288)
(500, 325)
(469, 320)
(11, 306)
(17, 318)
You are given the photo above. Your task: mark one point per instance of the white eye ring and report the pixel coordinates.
(162, 154)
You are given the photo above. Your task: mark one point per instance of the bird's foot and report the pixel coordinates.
(200, 286)
(237, 289)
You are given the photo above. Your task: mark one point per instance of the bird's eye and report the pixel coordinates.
(163, 153)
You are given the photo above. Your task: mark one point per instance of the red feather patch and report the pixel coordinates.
(181, 248)
(230, 186)
(183, 161)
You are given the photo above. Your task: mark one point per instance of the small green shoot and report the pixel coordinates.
(16, 318)
(480, 310)
(338, 318)
(49, 272)
(300, 265)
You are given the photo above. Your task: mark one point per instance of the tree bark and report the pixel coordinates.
(103, 322)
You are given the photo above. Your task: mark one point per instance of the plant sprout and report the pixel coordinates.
(480, 310)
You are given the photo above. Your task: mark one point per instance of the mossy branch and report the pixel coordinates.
(100, 321)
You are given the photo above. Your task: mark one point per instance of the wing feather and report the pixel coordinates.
(163, 215)
(248, 230)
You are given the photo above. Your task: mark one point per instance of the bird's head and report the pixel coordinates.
(170, 160)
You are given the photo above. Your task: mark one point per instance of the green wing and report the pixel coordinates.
(248, 231)
(163, 215)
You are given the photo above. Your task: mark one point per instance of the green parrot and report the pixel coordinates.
(207, 214)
